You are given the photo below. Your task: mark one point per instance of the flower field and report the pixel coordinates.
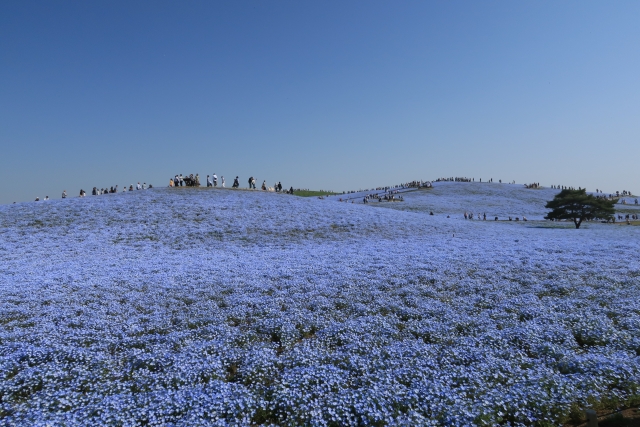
(199, 307)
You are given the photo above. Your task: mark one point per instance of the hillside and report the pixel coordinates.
(220, 307)
(494, 199)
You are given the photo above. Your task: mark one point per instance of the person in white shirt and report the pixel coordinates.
(64, 194)
(46, 197)
(138, 187)
(215, 180)
(222, 179)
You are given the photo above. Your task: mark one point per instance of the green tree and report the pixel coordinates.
(577, 205)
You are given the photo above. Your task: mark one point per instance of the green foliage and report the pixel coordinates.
(312, 193)
(577, 206)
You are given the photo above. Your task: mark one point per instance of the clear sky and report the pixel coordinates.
(322, 95)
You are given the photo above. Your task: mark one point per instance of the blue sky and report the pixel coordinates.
(323, 95)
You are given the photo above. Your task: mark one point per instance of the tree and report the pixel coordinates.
(577, 205)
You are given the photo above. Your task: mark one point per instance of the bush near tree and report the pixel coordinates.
(577, 206)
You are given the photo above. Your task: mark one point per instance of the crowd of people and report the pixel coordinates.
(462, 179)
(563, 187)
(410, 184)
(95, 191)
(187, 180)
(483, 217)
(534, 185)
(112, 190)
(387, 197)
(455, 179)
(601, 195)
(212, 181)
(628, 217)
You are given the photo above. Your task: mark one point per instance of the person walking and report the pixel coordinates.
(222, 181)
(250, 179)
(215, 180)
(64, 194)
(208, 181)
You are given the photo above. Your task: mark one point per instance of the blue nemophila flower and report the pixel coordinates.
(241, 308)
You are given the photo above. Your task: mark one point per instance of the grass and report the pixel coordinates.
(312, 193)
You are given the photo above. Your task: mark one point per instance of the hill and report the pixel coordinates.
(494, 199)
(221, 307)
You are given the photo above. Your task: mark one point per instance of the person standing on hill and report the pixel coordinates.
(250, 179)
(64, 194)
(222, 181)
(215, 180)
(208, 181)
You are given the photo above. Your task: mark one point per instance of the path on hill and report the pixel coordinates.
(359, 195)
